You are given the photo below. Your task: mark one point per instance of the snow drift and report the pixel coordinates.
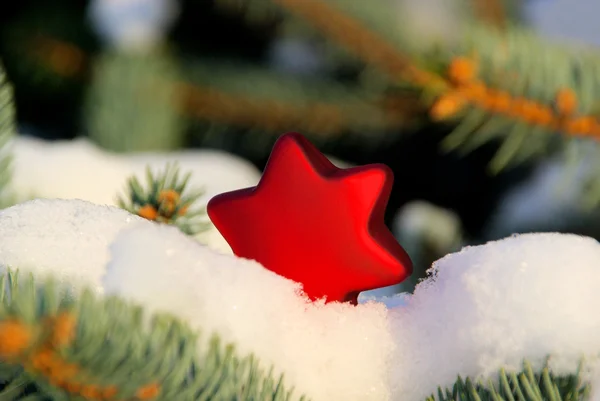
(483, 308)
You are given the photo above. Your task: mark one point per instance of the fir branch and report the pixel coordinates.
(220, 107)
(165, 200)
(7, 133)
(517, 88)
(524, 386)
(250, 97)
(363, 42)
(60, 344)
(243, 96)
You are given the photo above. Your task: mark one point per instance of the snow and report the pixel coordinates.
(258, 310)
(67, 239)
(78, 169)
(490, 306)
(168, 271)
(483, 308)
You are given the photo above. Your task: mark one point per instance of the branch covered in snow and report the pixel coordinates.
(165, 200)
(56, 344)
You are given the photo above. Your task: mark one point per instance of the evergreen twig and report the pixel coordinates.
(61, 344)
(165, 200)
(210, 101)
(522, 386)
(354, 36)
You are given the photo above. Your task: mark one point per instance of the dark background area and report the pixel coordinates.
(50, 106)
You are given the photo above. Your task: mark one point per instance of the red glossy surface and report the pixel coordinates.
(314, 223)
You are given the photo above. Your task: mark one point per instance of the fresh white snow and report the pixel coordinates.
(78, 169)
(328, 351)
(488, 306)
(67, 239)
(483, 308)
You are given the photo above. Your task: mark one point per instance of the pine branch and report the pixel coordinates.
(524, 386)
(166, 200)
(517, 93)
(254, 98)
(363, 42)
(344, 22)
(56, 344)
(240, 96)
(510, 99)
(520, 89)
(7, 132)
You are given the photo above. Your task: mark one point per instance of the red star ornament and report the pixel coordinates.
(314, 223)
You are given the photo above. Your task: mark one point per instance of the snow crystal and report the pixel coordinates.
(329, 352)
(66, 238)
(493, 305)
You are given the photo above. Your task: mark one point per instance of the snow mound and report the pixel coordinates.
(78, 169)
(328, 352)
(68, 170)
(66, 238)
(486, 307)
(491, 306)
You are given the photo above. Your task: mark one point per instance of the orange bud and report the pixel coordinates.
(91, 392)
(566, 101)
(476, 92)
(148, 392)
(462, 70)
(582, 125)
(168, 195)
(43, 360)
(109, 392)
(15, 338)
(447, 106)
(148, 212)
(63, 330)
(500, 102)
